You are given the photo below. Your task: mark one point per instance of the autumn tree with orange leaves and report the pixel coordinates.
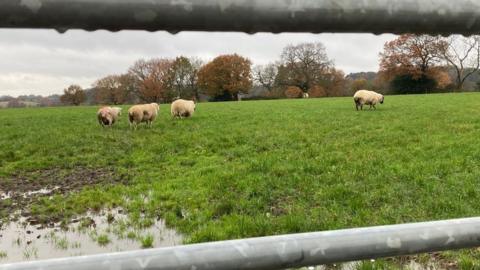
(225, 77)
(317, 91)
(334, 83)
(152, 80)
(293, 92)
(412, 62)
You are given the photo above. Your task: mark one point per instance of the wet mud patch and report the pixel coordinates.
(92, 233)
(19, 191)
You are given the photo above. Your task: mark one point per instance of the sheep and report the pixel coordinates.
(182, 108)
(305, 95)
(143, 113)
(107, 116)
(367, 97)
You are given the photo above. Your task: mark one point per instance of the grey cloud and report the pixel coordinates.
(45, 62)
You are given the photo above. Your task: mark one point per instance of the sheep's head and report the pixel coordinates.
(381, 99)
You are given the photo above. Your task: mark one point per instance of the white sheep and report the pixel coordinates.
(143, 113)
(107, 116)
(366, 97)
(182, 108)
(305, 95)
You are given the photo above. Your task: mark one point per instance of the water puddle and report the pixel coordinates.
(409, 264)
(25, 195)
(341, 266)
(91, 234)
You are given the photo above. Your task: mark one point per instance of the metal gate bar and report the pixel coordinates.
(373, 16)
(284, 251)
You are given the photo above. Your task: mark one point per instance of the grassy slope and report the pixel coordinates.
(266, 167)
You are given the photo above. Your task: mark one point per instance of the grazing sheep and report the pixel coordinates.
(305, 95)
(367, 97)
(142, 113)
(107, 116)
(182, 108)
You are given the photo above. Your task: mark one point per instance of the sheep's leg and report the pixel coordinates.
(374, 107)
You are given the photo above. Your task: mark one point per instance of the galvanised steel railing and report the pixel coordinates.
(283, 251)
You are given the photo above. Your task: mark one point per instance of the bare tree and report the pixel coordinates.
(197, 64)
(306, 64)
(265, 75)
(114, 89)
(463, 54)
(73, 95)
(106, 90)
(183, 77)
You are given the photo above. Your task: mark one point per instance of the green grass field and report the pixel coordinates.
(243, 169)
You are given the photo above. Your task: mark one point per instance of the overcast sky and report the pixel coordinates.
(45, 62)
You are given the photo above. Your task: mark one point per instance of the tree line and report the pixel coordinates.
(302, 68)
(426, 64)
(408, 64)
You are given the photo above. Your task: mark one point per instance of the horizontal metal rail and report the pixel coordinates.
(284, 251)
(373, 16)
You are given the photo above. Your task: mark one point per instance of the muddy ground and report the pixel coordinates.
(19, 191)
(24, 236)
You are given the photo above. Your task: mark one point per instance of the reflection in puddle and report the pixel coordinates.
(92, 234)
